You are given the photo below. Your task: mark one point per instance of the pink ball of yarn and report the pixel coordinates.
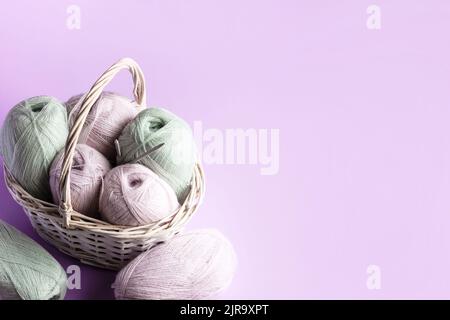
(133, 195)
(108, 116)
(88, 168)
(194, 265)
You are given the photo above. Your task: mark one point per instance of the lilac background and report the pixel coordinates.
(363, 116)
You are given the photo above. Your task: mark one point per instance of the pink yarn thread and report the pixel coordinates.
(194, 265)
(133, 195)
(109, 115)
(89, 167)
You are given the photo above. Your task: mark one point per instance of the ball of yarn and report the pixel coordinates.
(88, 169)
(32, 134)
(194, 265)
(27, 271)
(104, 123)
(133, 195)
(174, 161)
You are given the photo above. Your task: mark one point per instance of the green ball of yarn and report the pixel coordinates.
(174, 161)
(27, 271)
(33, 132)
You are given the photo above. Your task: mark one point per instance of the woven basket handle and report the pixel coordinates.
(65, 206)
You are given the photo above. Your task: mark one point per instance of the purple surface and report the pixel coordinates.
(363, 115)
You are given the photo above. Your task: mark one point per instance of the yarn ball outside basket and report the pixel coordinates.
(88, 169)
(104, 123)
(93, 241)
(133, 195)
(174, 161)
(194, 265)
(27, 271)
(33, 132)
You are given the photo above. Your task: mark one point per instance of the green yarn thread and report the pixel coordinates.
(174, 161)
(33, 132)
(27, 271)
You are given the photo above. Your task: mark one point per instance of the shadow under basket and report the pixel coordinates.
(93, 241)
(97, 242)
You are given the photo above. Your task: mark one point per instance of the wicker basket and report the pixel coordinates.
(93, 241)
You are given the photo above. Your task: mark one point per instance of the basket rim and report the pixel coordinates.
(80, 221)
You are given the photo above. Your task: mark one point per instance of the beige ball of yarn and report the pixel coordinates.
(194, 265)
(133, 195)
(88, 169)
(104, 123)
